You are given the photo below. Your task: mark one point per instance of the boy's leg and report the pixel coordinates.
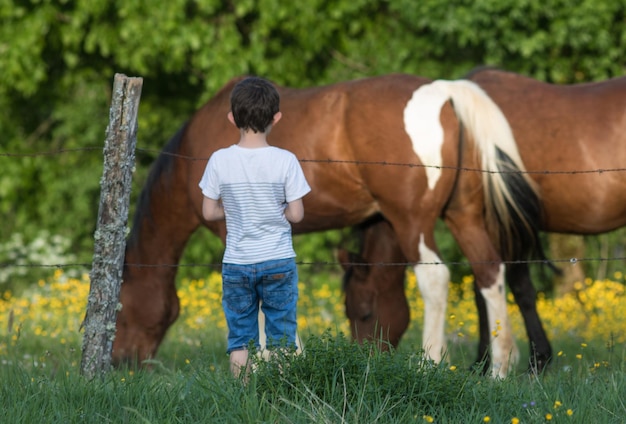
(279, 293)
(239, 362)
(240, 303)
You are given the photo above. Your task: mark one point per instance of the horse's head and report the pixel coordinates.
(360, 292)
(149, 305)
(375, 302)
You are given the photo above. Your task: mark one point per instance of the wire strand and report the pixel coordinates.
(338, 162)
(571, 261)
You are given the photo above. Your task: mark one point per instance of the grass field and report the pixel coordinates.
(334, 381)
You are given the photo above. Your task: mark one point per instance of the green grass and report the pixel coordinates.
(334, 381)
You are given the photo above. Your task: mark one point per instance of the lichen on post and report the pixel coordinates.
(110, 234)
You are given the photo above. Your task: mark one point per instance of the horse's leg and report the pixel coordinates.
(417, 241)
(489, 276)
(433, 278)
(484, 358)
(490, 282)
(518, 277)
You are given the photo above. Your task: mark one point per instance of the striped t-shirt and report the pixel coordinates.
(255, 186)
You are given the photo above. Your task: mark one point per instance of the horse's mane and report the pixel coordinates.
(162, 168)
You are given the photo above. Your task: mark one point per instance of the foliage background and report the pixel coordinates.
(58, 58)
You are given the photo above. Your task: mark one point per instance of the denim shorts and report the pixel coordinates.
(274, 286)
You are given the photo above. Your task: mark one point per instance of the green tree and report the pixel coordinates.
(58, 58)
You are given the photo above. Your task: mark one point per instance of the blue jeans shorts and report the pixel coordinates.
(274, 286)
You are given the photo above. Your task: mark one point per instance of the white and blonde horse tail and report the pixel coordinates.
(512, 200)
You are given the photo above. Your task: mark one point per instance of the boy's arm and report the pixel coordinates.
(212, 210)
(294, 212)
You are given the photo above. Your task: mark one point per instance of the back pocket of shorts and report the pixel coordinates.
(278, 289)
(237, 293)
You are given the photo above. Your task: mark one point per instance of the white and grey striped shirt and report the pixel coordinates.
(255, 186)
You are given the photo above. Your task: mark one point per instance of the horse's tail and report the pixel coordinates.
(512, 202)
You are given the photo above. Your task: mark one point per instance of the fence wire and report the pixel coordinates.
(155, 153)
(566, 261)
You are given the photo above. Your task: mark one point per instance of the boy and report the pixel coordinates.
(258, 189)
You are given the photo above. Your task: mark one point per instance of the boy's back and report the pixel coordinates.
(255, 184)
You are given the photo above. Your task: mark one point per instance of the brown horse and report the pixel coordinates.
(571, 139)
(363, 145)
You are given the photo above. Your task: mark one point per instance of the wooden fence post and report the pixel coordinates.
(110, 236)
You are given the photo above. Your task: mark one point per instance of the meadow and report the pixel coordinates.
(334, 380)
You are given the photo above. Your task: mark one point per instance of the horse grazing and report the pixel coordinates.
(363, 145)
(373, 285)
(571, 139)
(376, 303)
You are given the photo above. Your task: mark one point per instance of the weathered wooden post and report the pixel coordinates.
(110, 235)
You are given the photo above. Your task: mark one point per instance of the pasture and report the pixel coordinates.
(334, 381)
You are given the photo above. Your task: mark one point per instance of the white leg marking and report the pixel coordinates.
(504, 351)
(422, 124)
(433, 281)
